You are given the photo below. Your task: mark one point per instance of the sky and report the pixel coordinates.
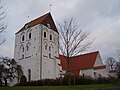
(99, 17)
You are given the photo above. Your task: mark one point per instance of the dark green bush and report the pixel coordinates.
(79, 80)
(84, 80)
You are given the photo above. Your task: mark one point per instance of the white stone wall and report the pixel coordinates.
(87, 72)
(37, 58)
(98, 61)
(31, 59)
(102, 72)
(50, 67)
(113, 74)
(96, 73)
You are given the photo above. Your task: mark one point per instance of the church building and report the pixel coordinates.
(37, 49)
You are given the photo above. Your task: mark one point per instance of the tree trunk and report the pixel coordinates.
(69, 79)
(5, 80)
(0, 82)
(69, 71)
(74, 80)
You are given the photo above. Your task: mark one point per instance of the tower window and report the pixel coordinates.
(50, 48)
(50, 37)
(22, 56)
(23, 38)
(26, 26)
(48, 25)
(45, 34)
(49, 55)
(23, 49)
(29, 35)
(45, 47)
(27, 47)
(29, 75)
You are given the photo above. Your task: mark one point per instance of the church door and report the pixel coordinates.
(23, 80)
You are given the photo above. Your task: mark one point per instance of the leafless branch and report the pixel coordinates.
(2, 17)
(72, 38)
(2, 42)
(111, 63)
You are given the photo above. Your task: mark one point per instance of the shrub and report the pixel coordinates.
(79, 80)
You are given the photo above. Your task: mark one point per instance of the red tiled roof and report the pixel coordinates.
(100, 67)
(45, 19)
(63, 62)
(84, 61)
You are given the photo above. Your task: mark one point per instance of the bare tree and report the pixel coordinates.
(118, 63)
(72, 41)
(2, 17)
(118, 54)
(111, 63)
(118, 69)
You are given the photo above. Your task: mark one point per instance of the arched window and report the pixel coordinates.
(22, 36)
(30, 35)
(49, 55)
(22, 56)
(45, 45)
(21, 52)
(50, 48)
(44, 34)
(28, 46)
(50, 37)
(29, 75)
(23, 49)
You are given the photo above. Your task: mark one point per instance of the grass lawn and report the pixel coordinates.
(79, 87)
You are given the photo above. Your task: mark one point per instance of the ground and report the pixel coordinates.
(79, 87)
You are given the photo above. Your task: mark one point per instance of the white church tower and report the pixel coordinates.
(37, 49)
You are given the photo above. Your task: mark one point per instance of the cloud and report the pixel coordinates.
(6, 50)
(106, 31)
(100, 17)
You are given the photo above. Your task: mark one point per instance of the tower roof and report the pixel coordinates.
(45, 19)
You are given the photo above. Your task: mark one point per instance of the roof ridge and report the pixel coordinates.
(87, 53)
(81, 54)
(44, 15)
(43, 19)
